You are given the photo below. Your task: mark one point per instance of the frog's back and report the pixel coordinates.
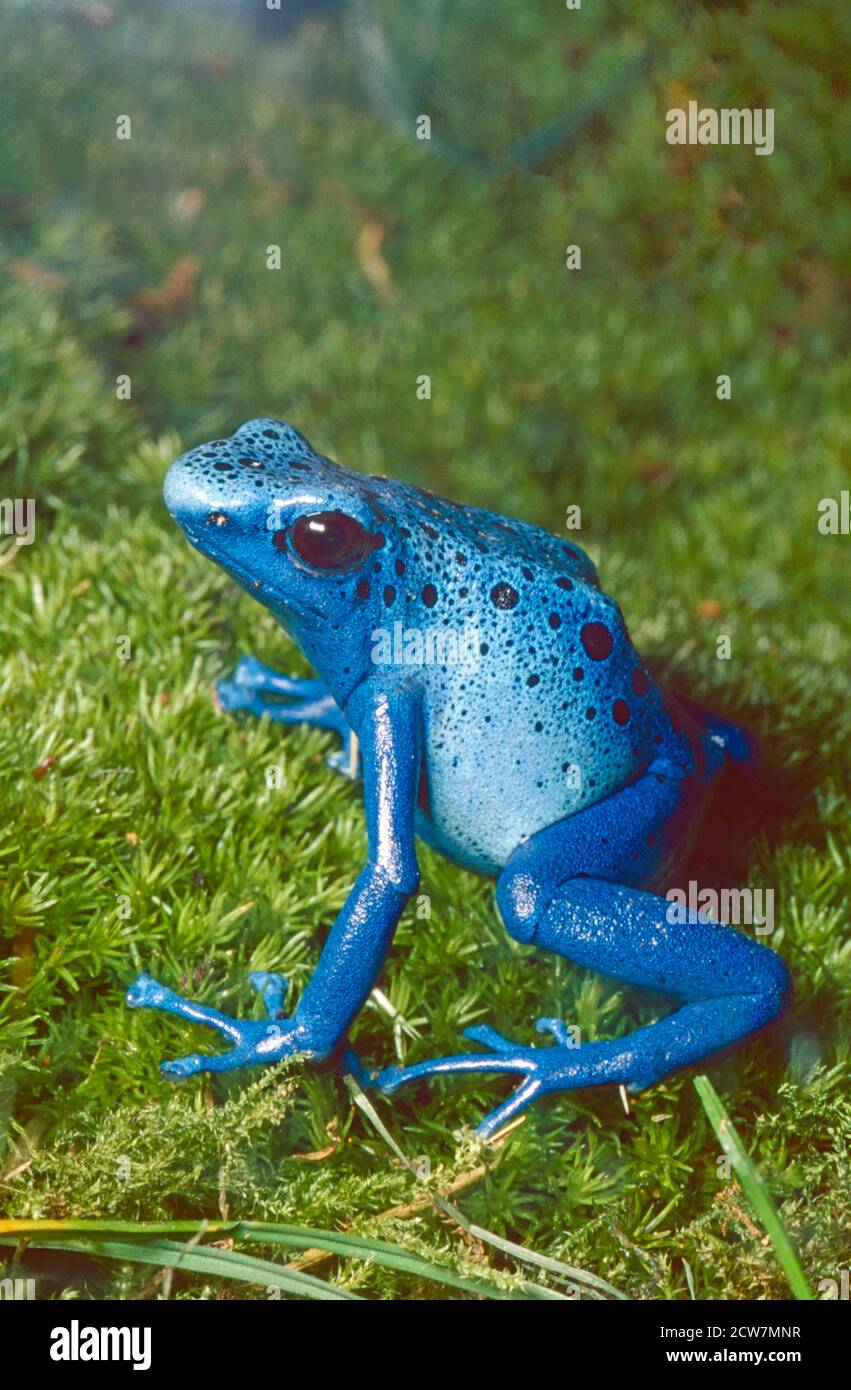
(535, 702)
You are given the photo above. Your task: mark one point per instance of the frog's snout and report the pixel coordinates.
(184, 494)
(200, 499)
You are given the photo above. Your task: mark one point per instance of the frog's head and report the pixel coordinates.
(296, 530)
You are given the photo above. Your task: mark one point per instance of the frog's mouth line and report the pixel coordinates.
(254, 586)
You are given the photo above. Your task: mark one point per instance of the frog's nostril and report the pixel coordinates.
(217, 519)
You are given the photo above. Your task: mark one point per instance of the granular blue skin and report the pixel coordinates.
(501, 714)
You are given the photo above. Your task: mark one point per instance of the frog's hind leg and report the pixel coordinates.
(557, 892)
(739, 745)
(260, 690)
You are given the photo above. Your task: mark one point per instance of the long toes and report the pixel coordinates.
(557, 1027)
(147, 993)
(391, 1078)
(254, 676)
(248, 671)
(272, 988)
(489, 1037)
(231, 695)
(516, 1103)
(181, 1067)
(499, 1061)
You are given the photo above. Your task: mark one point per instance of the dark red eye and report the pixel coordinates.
(332, 541)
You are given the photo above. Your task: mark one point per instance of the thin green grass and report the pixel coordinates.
(754, 1186)
(590, 1283)
(138, 1241)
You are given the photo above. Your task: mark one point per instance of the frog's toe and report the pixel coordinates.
(181, 1067)
(272, 989)
(346, 760)
(504, 1056)
(146, 993)
(489, 1037)
(517, 1102)
(245, 1054)
(544, 1069)
(254, 1042)
(254, 676)
(557, 1028)
(230, 695)
(248, 671)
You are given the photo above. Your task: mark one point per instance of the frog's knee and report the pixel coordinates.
(520, 900)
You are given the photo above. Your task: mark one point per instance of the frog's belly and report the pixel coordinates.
(487, 786)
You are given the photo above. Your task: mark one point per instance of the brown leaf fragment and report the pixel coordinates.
(28, 273)
(708, 609)
(186, 205)
(173, 298)
(368, 244)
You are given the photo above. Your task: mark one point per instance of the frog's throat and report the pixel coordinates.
(257, 588)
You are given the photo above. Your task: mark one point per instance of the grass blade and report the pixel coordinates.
(527, 1256)
(517, 1252)
(62, 1234)
(379, 1252)
(753, 1186)
(200, 1259)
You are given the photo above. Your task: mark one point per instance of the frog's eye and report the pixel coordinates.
(331, 541)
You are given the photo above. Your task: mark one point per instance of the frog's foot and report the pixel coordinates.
(739, 744)
(535, 1063)
(351, 1065)
(255, 1041)
(347, 761)
(286, 700)
(254, 675)
(565, 1066)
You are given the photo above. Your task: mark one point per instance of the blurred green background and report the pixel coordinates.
(147, 258)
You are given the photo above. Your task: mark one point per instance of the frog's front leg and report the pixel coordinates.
(557, 892)
(261, 690)
(357, 944)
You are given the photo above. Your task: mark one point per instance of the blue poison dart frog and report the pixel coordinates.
(489, 693)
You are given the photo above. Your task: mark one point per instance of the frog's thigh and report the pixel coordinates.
(557, 892)
(625, 838)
